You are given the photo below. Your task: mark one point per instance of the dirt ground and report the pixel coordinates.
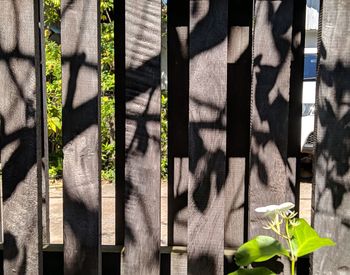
(108, 210)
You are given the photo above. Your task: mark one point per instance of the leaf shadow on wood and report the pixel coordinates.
(212, 160)
(81, 131)
(138, 136)
(180, 54)
(18, 137)
(271, 105)
(15, 252)
(333, 147)
(142, 137)
(12, 176)
(275, 152)
(26, 136)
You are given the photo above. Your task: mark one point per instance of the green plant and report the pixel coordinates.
(300, 237)
(54, 109)
(164, 135)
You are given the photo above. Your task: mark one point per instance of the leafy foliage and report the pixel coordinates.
(300, 237)
(259, 249)
(54, 103)
(306, 240)
(164, 134)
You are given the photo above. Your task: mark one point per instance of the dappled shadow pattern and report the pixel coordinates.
(16, 254)
(270, 170)
(331, 190)
(333, 134)
(21, 145)
(82, 117)
(271, 101)
(81, 136)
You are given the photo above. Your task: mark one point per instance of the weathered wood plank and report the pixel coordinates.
(207, 135)
(21, 145)
(178, 75)
(332, 172)
(142, 137)
(268, 182)
(269, 170)
(238, 119)
(81, 136)
(174, 260)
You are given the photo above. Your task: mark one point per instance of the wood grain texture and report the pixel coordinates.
(21, 146)
(268, 182)
(81, 136)
(332, 173)
(238, 120)
(142, 137)
(207, 135)
(178, 85)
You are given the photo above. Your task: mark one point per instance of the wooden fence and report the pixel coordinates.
(235, 81)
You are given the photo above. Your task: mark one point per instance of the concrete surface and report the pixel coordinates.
(108, 210)
(108, 216)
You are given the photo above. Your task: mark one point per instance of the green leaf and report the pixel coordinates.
(306, 240)
(254, 271)
(259, 249)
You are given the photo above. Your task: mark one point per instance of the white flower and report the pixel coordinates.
(272, 210)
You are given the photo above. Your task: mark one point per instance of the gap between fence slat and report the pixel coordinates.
(238, 119)
(295, 102)
(178, 77)
(44, 130)
(119, 46)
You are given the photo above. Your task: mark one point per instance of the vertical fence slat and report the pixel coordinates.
(270, 104)
(178, 70)
(81, 136)
(207, 135)
(238, 119)
(142, 137)
(21, 152)
(332, 173)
